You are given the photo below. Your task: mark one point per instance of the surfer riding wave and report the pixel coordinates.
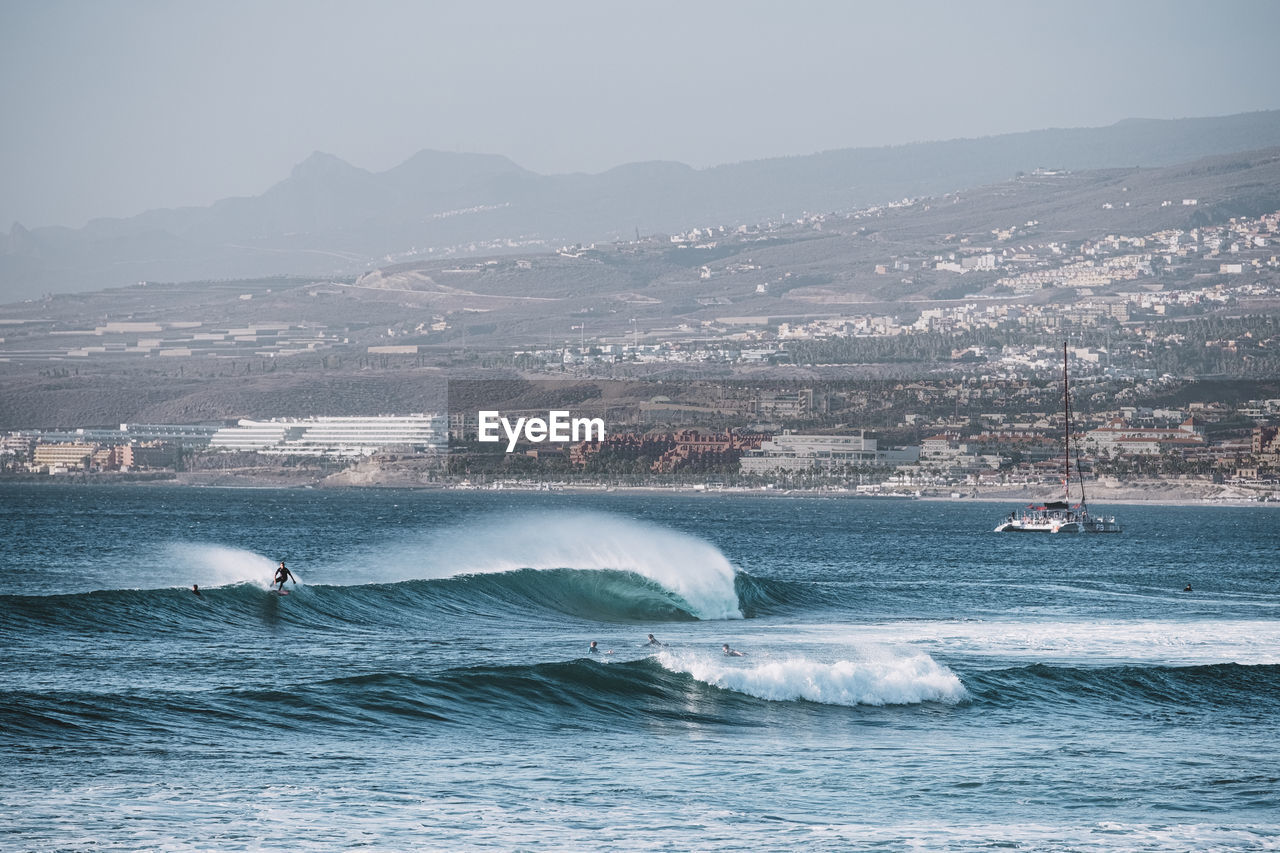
(282, 575)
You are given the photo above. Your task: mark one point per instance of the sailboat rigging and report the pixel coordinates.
(1061, 516)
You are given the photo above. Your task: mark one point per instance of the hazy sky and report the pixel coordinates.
(111, 108)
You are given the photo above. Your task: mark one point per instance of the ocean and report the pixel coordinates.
(909, 678)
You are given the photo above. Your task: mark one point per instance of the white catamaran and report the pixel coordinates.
(1061, 516)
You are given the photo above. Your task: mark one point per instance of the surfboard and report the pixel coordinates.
(280, 591)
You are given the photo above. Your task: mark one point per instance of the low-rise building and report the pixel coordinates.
(1118, 437)
(795, 452)
(692, 446)
(1265, 446)
(62, 456)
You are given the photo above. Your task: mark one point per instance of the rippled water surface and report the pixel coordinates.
(909, 677)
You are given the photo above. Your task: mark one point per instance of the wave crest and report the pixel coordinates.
(600, 595)
(886, 680)
(692, 569)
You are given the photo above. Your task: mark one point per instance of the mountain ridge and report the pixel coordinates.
(330, 218)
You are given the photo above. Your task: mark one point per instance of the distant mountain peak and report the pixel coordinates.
(651, 168)
(430, 171)
(433, 164)
(322, 165)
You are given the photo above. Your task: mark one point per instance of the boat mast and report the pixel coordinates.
(1080, 476)
(1066, 429)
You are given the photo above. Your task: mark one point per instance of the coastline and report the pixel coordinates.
(1162, 493)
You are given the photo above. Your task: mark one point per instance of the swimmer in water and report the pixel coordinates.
(195, 587)
(732, 653)
(654, 641)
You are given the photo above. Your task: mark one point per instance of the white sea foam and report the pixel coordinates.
(691, 568)
(881, 677)
(218, 565)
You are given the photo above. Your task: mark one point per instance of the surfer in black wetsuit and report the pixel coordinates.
(654, 641)
(282, 575)
(732, 653)
(595, 650)
(195, 587)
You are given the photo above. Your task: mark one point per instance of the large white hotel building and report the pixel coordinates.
(336, 437)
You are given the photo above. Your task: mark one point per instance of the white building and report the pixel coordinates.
(336, 437)
(255, 435)
(792, 452)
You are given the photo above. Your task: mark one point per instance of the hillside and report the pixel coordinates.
(329, 218)
(649, 291)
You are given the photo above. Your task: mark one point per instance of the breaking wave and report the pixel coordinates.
(884, 679)
(670, 685)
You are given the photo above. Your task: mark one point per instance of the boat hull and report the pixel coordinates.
(1091, 525)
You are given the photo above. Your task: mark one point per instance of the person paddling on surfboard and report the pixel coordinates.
(282, 575)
